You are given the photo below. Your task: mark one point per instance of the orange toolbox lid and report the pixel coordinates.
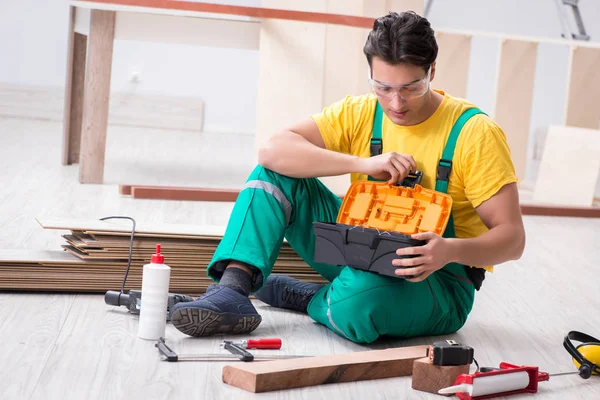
(408, 210)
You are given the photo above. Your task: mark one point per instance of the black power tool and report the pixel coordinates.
(133, 299)
(449, 352)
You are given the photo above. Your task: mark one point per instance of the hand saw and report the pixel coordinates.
(237, 354)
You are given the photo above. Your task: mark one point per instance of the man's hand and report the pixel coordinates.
(392, 166)
(429, 258)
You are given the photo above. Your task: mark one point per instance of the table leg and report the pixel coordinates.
(75, 79)
(96, 96)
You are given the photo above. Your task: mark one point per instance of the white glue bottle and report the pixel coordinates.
(155, 297)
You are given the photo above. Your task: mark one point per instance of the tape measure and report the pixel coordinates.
(449, 352)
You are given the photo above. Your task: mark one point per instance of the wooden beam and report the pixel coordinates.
(294, 373)
(178, 193)
(554, 211)
(430, 378)
(253, 12)
(96, 96)
(125, 190)
(74, 83)
(185, 194)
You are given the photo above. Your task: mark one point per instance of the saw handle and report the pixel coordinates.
(268, 343)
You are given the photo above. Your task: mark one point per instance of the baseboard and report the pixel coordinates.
(126, 109)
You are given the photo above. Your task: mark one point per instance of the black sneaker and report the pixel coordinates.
(284, 292)
(221, 310)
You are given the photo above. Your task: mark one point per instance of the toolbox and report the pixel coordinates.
(375, 219)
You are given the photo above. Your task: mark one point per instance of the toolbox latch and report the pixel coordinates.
(411, 180)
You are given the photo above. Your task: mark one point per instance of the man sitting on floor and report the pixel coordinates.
(283, 197)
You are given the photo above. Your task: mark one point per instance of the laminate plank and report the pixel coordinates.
(124, 226)
(29, 327)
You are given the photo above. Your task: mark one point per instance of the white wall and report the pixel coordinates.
(33, 46)
(537, 18)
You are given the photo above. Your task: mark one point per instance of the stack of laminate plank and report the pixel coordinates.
(95, 254)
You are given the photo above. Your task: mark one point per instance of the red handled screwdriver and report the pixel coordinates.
(263, 343)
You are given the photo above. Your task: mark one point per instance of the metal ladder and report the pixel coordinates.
(562, 15)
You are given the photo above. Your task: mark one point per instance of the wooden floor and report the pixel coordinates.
(73, 346)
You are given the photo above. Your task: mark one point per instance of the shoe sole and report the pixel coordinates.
(198, 322)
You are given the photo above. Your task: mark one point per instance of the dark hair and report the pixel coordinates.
(402, 38)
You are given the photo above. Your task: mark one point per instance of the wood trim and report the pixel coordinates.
(215, 194)
(178, 193)
(558, 211)
(255, 12)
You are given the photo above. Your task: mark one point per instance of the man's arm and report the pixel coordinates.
(300, 152)
(504, 241)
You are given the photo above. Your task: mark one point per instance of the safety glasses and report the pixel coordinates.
(407, 91)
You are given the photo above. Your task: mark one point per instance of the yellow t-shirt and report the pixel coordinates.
(480, 167)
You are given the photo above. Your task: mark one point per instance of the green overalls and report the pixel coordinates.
(355, 304)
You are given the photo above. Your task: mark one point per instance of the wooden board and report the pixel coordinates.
(97, 263)
(452, 63)
(514, 96)
(553, 211)
(124, 226)
(417, 6)
(38, 256)
(431, 378)
(570, 166)
(183, 193)
(583, 83)
(294, 373)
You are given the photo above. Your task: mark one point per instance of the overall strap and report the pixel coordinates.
(376, 141)
(376, 134)
(476, 275)
(445, 164)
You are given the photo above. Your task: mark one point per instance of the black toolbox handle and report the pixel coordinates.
(360, 236)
